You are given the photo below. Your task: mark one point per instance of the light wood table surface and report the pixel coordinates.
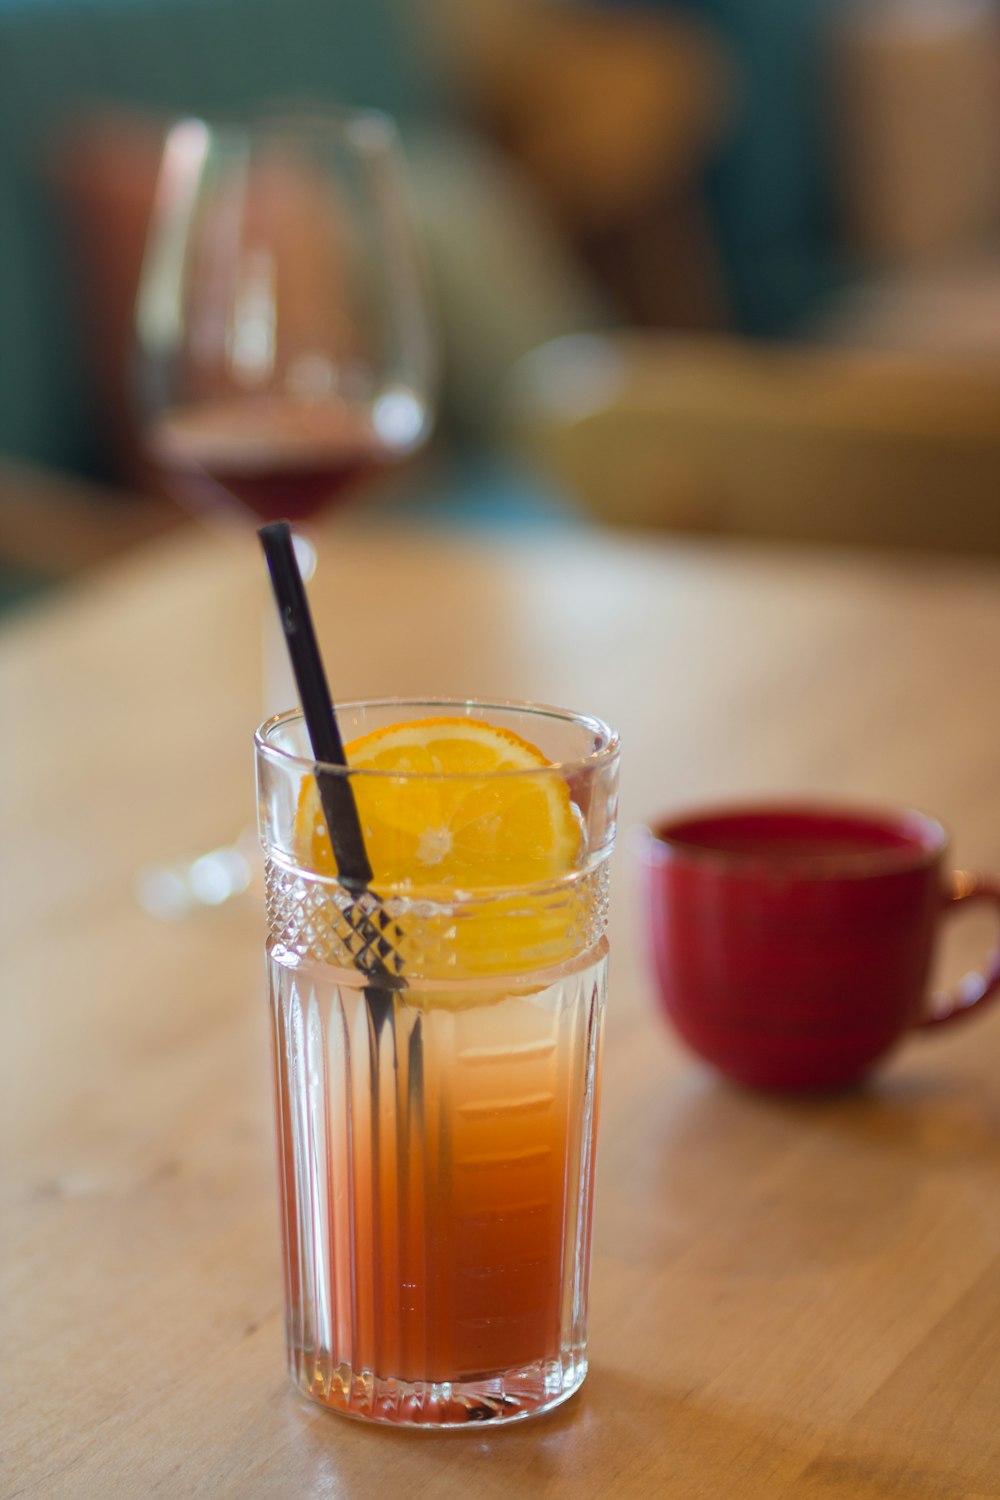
(791, 1298)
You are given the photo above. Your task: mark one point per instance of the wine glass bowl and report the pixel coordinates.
(285, 348)
(285, 353)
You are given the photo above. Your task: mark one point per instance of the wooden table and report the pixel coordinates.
(791, 1298)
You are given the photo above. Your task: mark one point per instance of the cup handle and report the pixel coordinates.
(979, 986)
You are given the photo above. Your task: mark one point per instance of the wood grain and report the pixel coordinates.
(791, 1298)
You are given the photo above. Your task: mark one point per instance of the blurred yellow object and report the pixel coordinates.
(782, 441)
(612, 118)
(606, 111)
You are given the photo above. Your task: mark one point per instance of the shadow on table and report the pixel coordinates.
(766, 1184)
(600, 1442)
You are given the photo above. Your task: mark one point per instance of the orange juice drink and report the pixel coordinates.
(437, 1055)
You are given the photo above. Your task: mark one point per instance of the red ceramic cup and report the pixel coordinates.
(793, 943)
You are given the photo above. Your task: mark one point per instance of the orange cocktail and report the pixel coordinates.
(437, 1108)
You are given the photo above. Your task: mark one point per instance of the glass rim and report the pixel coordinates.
(367, 127)
(927, 839)
(606, 753)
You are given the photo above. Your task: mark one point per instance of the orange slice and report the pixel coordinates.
(442, 824)
(442, 817)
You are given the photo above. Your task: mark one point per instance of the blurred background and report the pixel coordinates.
(710, 266)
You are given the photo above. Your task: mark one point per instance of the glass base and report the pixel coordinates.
(510, 1396)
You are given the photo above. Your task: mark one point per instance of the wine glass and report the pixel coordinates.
(284, 342)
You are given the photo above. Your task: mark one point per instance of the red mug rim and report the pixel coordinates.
(922, 838)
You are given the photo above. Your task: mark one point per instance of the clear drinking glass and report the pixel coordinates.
(437, 1105)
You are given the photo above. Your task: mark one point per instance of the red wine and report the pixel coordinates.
(281, 459)
(294, 492)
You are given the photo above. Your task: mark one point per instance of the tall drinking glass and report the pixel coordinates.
(437, 1062)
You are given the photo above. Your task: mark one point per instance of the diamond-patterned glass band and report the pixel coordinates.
(401, 936)
(323, 920)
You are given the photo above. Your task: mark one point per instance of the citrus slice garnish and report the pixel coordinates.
(441, 817)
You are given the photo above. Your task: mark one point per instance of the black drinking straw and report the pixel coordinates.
(336, 795)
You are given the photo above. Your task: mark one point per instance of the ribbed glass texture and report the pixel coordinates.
(436, 1184)
(437, 1054)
